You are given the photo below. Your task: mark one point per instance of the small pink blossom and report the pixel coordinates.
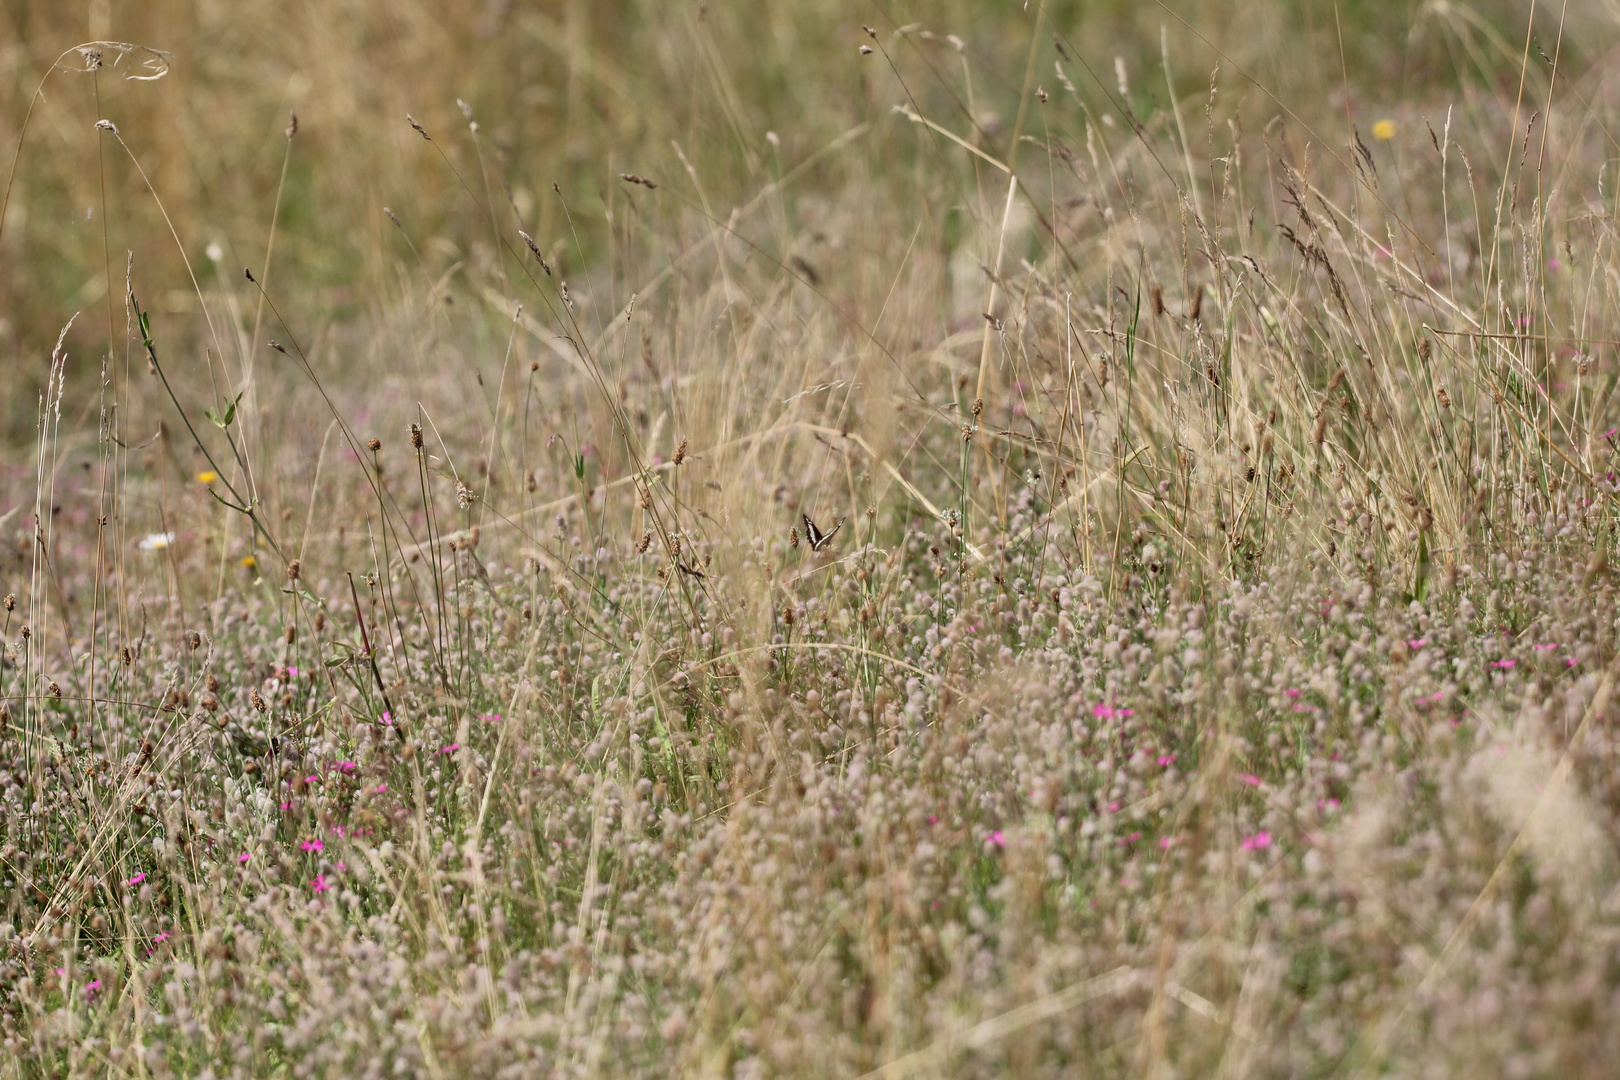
(1291, 692)
(1416, 643)
(1168, 842)
(387, 718)
(1570, 661)
(1251, 779)
(312, 845)
(90, 990)
(1112, 807)
(1504, 664)
(1544, 648)
(337, 831)
(1108, 712)
(1167, 759)
(320, 884)
(1125, 841)
(347, 766)
(244, 857)
(1327, 804)
(1259, 841)
(286, 806)
(996, 838)
(380, 788)
(452, 748)
(933, 819)
(138, 878)
(490, 718)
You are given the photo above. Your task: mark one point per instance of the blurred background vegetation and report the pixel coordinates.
(571, 93)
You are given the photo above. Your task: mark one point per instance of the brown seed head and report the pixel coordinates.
(416, 436)
(680, 451)
(374, 444)
(294, 570)
(11, 602)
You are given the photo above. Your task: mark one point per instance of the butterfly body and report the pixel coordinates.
(817, 538)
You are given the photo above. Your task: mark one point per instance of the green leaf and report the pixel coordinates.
(224, 421)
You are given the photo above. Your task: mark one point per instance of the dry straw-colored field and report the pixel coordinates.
(419, 659)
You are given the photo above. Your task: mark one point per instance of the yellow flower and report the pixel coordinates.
(1384, 130)
(247, 562)
(207, 477)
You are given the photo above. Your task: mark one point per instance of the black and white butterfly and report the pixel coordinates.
(817, 538)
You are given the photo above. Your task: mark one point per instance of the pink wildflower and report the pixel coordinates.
(1251, 779)
(490, 718)
(138, 878)
(452, 748)
(244, 857)
(1167, 759)
(1131, 839)
(90, 990)
(1544, 648)
(1504, 664)
(996, 838)
(1257, 842)
(1167, 842)
(320, 884)
(312, 845)
(1416, 643)
(1291, 692)
(380, 788)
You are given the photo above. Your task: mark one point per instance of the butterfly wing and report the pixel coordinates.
(817, 538)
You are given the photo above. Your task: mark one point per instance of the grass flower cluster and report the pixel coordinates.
(1022, 565)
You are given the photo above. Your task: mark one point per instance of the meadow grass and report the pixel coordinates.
(809, 540)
